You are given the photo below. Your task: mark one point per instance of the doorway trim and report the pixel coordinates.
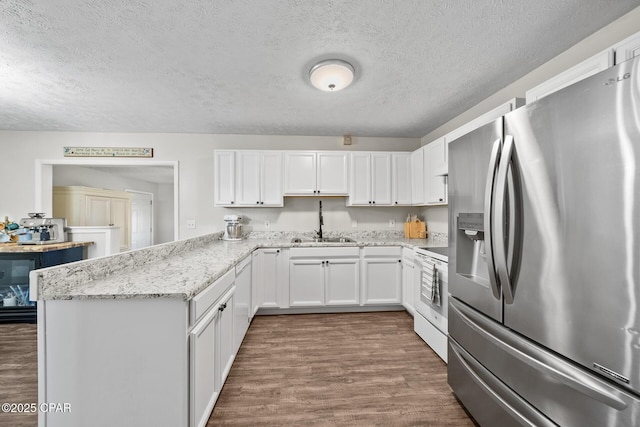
(44, 181)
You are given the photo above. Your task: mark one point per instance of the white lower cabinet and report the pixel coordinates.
(408, 279)
(242, 301)
(306, 286)
(270, 283)
(342, 281)
(202, 363)
(323, 276)
(381, 275)
(224, 330)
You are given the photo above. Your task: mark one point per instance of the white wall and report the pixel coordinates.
(194, 152)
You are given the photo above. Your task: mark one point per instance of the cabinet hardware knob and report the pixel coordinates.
(262, 203)
(318, 191)
(440, 200)
(374, 202)
(278, 251)
(232, 202)
(369, 201)
(258, 203)
(399, 260)
(396, 203)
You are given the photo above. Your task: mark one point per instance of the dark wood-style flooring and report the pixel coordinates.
(352, 369)
(356, 369)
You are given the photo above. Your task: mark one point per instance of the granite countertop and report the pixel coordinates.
(11, 247)
(179, 269)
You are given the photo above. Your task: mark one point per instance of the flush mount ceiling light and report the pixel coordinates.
(331, 75)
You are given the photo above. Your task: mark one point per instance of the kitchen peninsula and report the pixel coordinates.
(115, 331)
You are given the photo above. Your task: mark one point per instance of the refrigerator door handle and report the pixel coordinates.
(498, 226)
(488, 214)
(539, 360)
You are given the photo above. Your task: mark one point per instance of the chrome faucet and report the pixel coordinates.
(320, 220)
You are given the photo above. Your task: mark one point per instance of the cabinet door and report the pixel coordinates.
(436, 158)
(202, 383)
(417, 177)
(381, 178)
(224, 176)
(225, 343)
(268, 278)
(98, 211)
(382, 281)
(299, 173)
(271, 179)
(342, 281)
(121, 217)
(360, 182)
(332, 173)
(401, 178)
(242, 302)
(247, 179)
(408, 281)
(306, 283)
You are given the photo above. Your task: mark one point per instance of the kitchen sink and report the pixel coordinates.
(322, 240)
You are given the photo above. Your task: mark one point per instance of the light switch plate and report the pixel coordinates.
(354, 223)
(191, 223)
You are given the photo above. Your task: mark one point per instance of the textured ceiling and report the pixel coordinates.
(241, 67)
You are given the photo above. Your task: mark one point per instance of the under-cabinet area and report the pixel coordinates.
(191, 331)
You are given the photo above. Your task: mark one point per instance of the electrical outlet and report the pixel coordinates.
(191, 223)
(354, 223)
(392, 223)
(267, 224)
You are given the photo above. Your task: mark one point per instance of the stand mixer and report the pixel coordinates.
(233, 229)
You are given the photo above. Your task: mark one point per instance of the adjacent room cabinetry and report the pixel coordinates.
(316, 173)
(248, 178)
(88, 206)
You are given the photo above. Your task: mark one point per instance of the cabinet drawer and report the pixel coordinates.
(201, 303)
(382, 252)
(326, 252)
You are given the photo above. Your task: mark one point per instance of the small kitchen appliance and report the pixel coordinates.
(43, 231)
(233, 228)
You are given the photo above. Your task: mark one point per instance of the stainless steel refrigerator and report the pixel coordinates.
(544, 259)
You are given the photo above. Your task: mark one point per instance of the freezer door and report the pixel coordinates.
(576, 154)
(472, 167)
(494, 371)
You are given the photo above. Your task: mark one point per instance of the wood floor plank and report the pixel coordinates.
(18, 371)
(348, 369)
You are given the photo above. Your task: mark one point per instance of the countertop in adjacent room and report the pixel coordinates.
(11, 247)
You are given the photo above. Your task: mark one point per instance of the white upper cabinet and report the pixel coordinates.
(417, 177)
(300, 173)
(628, 48)
(401, 179)
(248, 178)
(316, 173)
(435, 166)
(370, 182)
(332, 173)
(224, 176)
(585, 69)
